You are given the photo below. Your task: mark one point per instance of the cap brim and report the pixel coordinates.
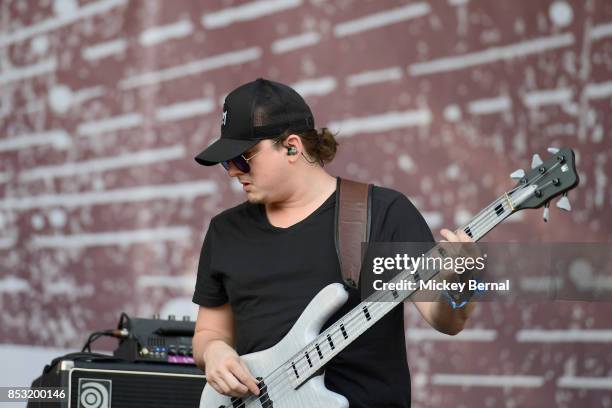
(222, 150)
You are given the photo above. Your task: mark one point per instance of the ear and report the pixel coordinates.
(295, 141)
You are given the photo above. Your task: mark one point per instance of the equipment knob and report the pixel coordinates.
(171, 317)
(156, 316)
(186, 318)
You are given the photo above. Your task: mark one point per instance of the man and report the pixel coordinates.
(264, 260)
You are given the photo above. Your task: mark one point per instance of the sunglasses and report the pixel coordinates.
(241, 162)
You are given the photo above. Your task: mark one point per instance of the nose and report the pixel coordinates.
(233, 171)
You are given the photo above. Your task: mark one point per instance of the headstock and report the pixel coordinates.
(546, 180)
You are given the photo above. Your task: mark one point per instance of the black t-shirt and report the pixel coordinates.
(269, 275)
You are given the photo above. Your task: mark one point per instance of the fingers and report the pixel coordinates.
(216, 381)
(464, 237)
(234, 379)
(234, 387)
(246, 378)
(458, 236)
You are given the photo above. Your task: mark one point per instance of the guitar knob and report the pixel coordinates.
(553, 150)
(546, 211)
(517, 174)
(564, 203)
(536, 161)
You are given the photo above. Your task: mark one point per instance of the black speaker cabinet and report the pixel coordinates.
(109, 383)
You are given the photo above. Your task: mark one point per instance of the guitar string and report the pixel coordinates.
(489, 221)
(270, 379)
(373, 306)
(476, 226)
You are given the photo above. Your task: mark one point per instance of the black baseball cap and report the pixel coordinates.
(255, 111)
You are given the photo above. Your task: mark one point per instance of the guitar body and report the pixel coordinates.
(311, 394)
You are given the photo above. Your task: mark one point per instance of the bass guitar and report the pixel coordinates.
(289, 373)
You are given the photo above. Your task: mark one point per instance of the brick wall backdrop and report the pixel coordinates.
(103, 103)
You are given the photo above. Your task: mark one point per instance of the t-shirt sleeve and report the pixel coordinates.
(209, 289)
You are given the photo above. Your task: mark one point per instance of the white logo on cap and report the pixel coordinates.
(224, 120)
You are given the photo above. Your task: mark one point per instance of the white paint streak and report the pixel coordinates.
(85, 94)
(174, 282)
(185, 109)
(86, 11)
(105, 49)
(382, 122)
(293, 43)
(159, 34)
(68, 289)
(564, 336)
(381, 19)
(23, 72)
(585, 383)
(112, 124)
(58, 138)
(494, 54)
(112, 238)
(192, 68)
(319, 86)
(601, 31)
(12, 285)
(488, 380)
(374, 77)
(490, 105)
(246, 12)
(539, 283)
(601, 90)
(548, 97)
(139, 158)
(186, 190)
(478, 335)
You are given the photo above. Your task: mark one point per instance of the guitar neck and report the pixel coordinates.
(309, 360)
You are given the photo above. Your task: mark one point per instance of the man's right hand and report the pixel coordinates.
(226, 372)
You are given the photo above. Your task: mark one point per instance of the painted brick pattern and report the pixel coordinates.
(103, 103)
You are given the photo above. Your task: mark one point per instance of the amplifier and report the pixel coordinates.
(99, 381)
(156, 340)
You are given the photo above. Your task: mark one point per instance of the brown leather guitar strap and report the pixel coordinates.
(352, 226)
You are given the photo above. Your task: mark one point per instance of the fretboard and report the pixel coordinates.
(310, 359)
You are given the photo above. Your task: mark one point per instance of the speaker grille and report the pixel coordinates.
(133, 389)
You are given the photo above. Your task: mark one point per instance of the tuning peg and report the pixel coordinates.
(546, 211)
(536, 161)
(553, 150)
(564, 203)
(517, 174)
